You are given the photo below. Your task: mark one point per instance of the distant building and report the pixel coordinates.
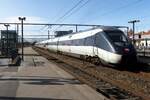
(145, 40)
(142, 39)
(9, 40)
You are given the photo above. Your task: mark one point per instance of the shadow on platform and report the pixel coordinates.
(3, 65)
(136, 68)
(28, 98)
(43, 81)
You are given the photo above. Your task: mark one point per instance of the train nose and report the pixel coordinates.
(129, 56)
(129, 59)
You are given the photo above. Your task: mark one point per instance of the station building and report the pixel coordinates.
(8, 41)
(142, 40)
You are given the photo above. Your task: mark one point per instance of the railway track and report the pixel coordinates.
(114, 84)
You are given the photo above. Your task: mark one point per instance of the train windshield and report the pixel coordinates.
(117, 37)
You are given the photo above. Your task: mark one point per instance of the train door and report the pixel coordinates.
(57, 48)
(95, 48)
(70, 44)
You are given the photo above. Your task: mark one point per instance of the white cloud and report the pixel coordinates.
(29, 19)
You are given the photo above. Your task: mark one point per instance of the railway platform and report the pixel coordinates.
(39, 79)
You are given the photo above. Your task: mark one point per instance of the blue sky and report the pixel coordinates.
(103, 12)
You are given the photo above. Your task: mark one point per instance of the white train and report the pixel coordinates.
(101, 45)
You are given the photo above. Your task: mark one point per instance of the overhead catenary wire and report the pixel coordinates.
(120, 8)
(73, 12)
(105, 13)
(66, 13)
(70, 10)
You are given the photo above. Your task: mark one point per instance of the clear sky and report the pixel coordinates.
(104, 12)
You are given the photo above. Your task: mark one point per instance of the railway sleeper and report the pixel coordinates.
(111, 91)
(100, 82)
(107, 89)
(132, 98)
(116, 93)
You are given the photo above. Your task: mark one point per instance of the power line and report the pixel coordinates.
(73, 12)
(111, 11)
(120, 8)
(77, 9)
(70, 10)
(53, 18)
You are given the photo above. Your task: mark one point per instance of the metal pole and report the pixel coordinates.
(16, 39)
(17, 29)
(133, 22)
(22, 19)
(6, 37)
(133, 32)
(22, 39)
(7, 40)
(76, 28)
(48, 34)
(128, 31)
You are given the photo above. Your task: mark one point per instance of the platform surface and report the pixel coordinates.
(28, 51)
(39, 79)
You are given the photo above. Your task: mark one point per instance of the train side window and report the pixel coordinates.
(89, 41)
(102, 42)
(85, 40)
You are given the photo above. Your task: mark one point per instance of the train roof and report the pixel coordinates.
(104, 28)
(85, 33)
(108, 28)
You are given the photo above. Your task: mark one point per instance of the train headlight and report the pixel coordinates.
(126, 50)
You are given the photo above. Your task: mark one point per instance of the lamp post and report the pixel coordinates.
(22, 19)
(7, 25)
(133, 22)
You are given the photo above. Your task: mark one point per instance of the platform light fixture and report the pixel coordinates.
(22, 19)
